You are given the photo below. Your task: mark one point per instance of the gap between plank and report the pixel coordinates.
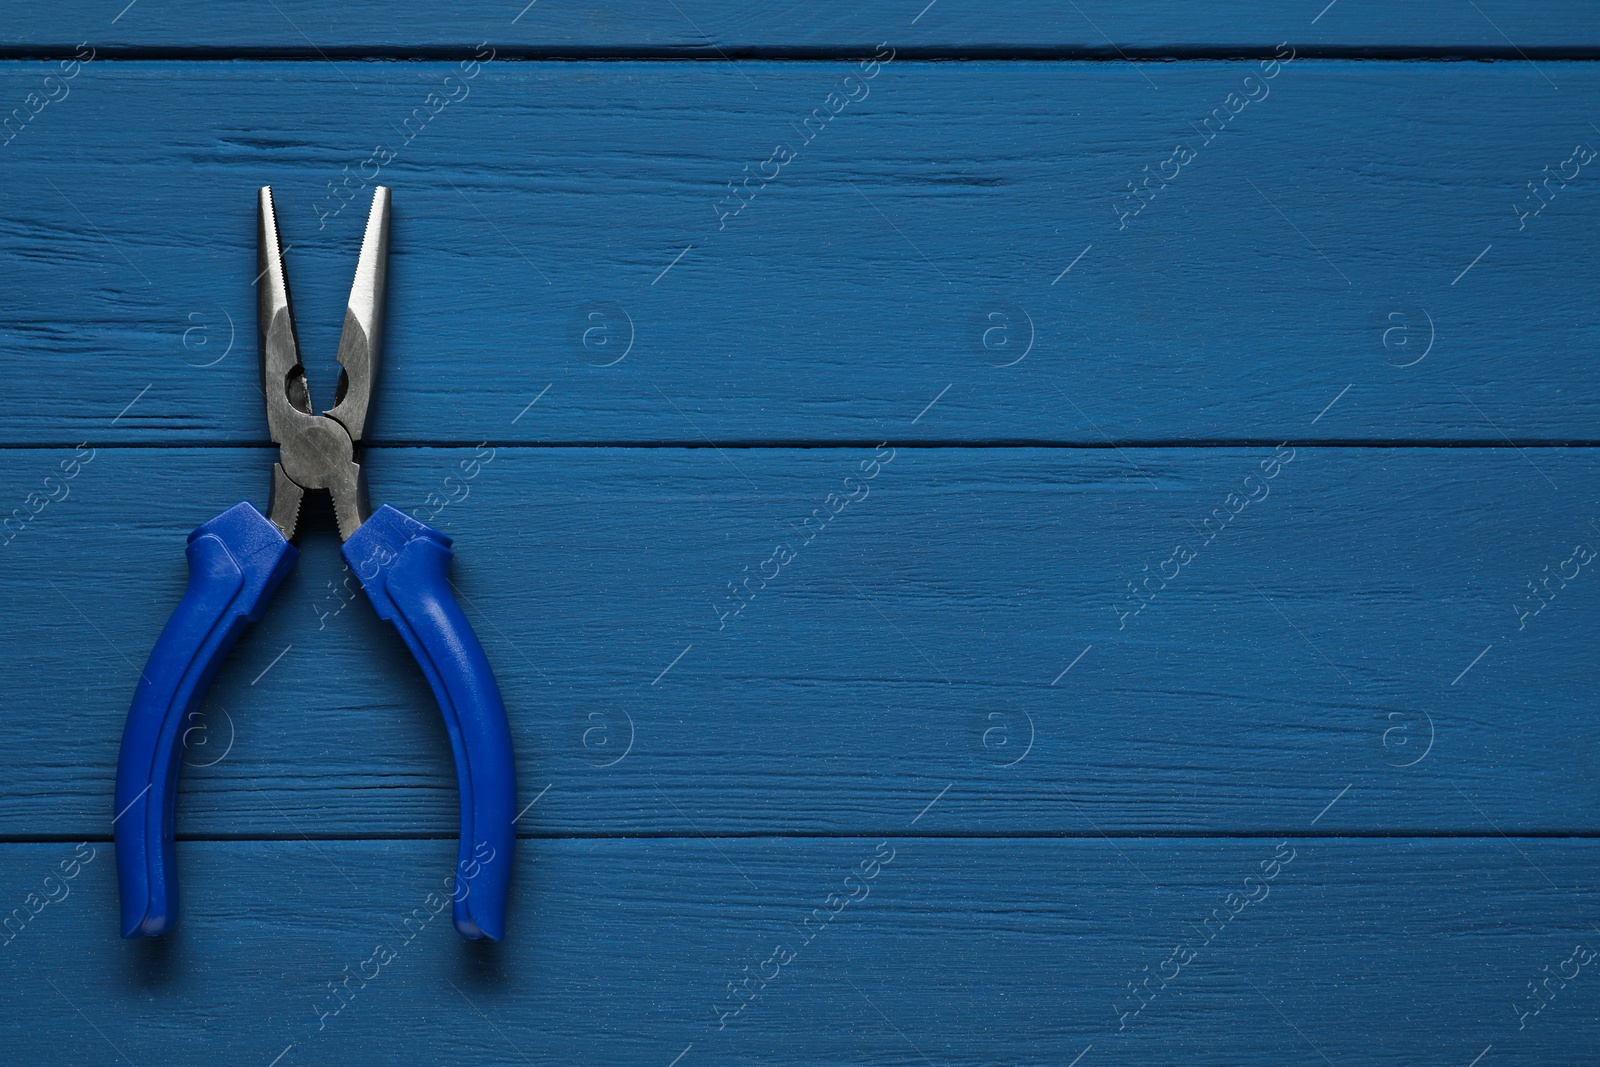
(951, 835)
(779, 444)
(839, 53)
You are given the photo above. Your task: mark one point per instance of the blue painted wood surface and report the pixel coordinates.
(1251, 513)
(963, 951)
(712, 29)
(916, 639)
(1327, 239)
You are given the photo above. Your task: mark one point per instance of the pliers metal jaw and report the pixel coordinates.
(238, 559)
(318, 451)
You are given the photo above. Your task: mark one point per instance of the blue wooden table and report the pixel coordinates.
(1028, 535)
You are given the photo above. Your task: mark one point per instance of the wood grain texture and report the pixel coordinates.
(960, 953)
(563, 214)
(1355, 627)
(713, 29)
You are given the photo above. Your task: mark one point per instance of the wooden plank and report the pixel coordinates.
(1350, 644)
(561, 215)
(716, 28)
(955, 952)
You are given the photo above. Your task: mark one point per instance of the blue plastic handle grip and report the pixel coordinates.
(404, 566)
(236, 562)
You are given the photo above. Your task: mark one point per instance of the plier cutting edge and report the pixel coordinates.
(236, 562)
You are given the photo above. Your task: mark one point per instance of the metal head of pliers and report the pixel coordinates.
(319, 452)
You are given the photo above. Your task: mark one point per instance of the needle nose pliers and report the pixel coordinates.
(236, 562)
